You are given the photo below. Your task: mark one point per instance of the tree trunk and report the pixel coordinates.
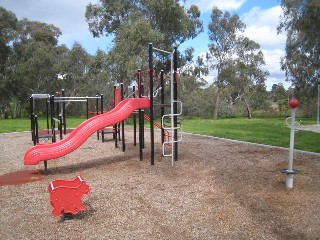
(216, 104)
(248, 110)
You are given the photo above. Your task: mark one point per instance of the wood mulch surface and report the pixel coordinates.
(217, 189)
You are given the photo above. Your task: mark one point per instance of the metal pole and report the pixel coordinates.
(31, 117)
(64, 114)
(140, 117)
(134, 120)
(289, 177)
(122, 124)
(172, 111)
(175, 98)
(290, 171)
(318, 112)
(151, 102)
(162, 104)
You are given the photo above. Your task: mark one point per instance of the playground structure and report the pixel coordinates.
(56, 113)
(57, 118)
(121, 111)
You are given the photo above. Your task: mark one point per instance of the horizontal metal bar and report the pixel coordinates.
(63, 98)
(71, 100)
(160, 50)
(39, 95)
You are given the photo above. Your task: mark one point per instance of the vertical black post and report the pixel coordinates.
(58, 107)
(52, 118)
(60, 126)
(64, 113)
(87, 107)
(97, 104)
(116, 125)
(162, 103)
(35, 127)
(140, 117)
(47, 115)
(151, 102)
(31, 117)
(122, 125)
(97, 111)
(134, 120)
(101, 104)
(175, 97)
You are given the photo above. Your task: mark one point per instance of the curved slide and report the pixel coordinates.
(81, 133)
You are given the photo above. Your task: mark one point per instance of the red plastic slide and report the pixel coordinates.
(79, 135)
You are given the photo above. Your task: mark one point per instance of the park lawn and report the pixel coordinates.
(269, 131)
(24, 124)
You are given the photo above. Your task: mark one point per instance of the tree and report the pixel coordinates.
(74, 68)
(33, 61)
(8, 28)
(223, 38)
(278, 92)
(136, 23)
(250, 78)
(99, 77)
(301, 21)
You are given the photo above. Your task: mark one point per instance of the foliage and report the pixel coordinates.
(301, 22)
(134, 24)
(32, 61)
(237, 60)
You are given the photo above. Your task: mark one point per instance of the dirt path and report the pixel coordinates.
(217, 190)
(312, 128)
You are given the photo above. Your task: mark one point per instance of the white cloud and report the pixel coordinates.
(262, 26)
(273, 58)
(68, 15)
(207, 5)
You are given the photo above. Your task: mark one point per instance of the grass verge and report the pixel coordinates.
(269, 131)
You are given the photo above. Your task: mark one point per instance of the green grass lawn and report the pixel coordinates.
(23, 124)
(270, 131)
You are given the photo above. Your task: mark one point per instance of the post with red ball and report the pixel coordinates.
(294, 103)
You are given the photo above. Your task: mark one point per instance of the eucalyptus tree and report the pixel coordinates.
(99, 79)
(249, 82)
(31, 66)
(223, 41)
(301, 22)
(134, 24)
(8, 27)
(74, 70)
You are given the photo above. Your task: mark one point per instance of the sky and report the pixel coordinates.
(260, 16)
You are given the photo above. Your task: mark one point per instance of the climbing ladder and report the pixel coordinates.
(171, 128)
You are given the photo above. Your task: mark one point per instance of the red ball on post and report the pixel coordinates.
(294, 103)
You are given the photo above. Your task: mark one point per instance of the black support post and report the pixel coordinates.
(64, 113)
(134, 120)
(151, 103)
(140, 117)
(175, 97)
(122, 124)
(32, 118)
(162, 103)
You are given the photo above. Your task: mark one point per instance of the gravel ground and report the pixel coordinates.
(217, 190)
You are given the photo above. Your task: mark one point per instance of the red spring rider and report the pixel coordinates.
(66, 195)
